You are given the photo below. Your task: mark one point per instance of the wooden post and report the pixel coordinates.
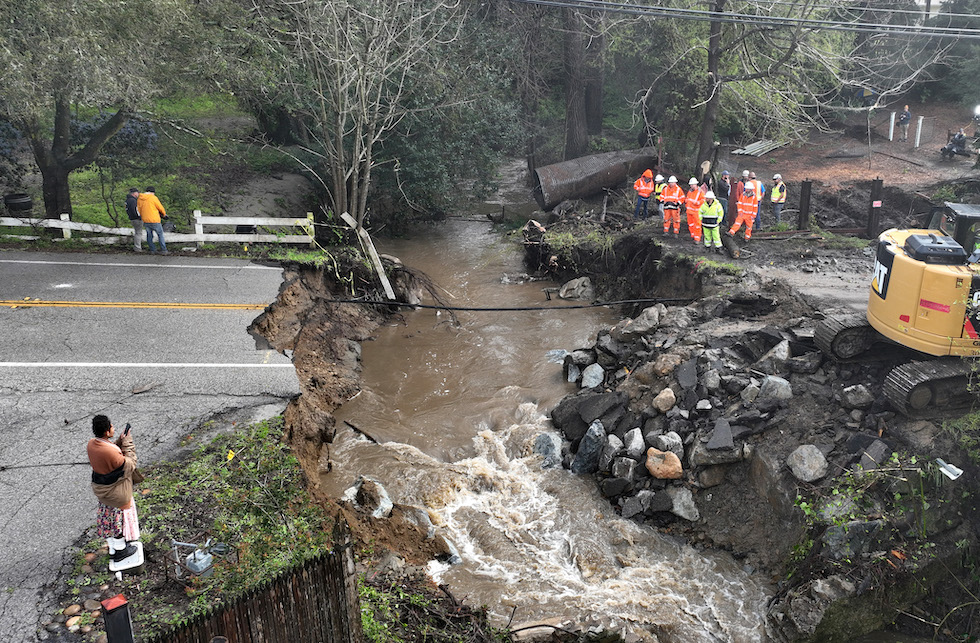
(803, 217)
(310, 229)
(918, 132)
(368, 246)
(874, 208)
(66, 232)
(891, 127)
(198, 227)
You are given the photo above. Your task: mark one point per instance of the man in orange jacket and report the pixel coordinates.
(672, 196)
(644, 187)
(748, 208)
(693, 201)
(152, 212)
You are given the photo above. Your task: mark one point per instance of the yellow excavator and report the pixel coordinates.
(924, 295)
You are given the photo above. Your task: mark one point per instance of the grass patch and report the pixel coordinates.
(244, 489)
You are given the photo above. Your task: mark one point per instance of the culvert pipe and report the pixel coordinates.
(588, 175)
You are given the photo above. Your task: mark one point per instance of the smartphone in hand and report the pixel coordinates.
(128, 427)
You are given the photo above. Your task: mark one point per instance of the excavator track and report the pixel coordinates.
(920, 389)
(844, 337)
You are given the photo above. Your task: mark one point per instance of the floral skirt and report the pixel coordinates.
(110, 521)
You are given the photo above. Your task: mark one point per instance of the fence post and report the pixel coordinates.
(918, 131)
(198, 227)
(891, 128)
(66, 232)
(803, 218)
(874, 208)
(310, 229)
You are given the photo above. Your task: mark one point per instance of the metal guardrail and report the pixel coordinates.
(199, 236)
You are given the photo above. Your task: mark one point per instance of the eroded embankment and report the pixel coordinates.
(723, 422)
(323, 339)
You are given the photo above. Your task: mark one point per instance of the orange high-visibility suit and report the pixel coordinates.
(748, 207)
(672, 196)
(694, 199)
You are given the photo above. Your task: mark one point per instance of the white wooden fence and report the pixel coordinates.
(125, 235)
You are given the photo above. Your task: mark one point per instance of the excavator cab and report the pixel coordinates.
(924, 295)
(925, 291)
(961, 221)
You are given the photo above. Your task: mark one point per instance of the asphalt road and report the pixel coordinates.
(171, 327)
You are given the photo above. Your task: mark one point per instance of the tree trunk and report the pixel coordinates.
(54, 187)
(56, 161)
(576, 132)
(712, 106)
(595, 80)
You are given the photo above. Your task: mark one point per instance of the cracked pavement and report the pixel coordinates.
(59, 366)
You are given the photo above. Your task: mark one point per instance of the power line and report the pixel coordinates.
(755, 19)
(876, 10)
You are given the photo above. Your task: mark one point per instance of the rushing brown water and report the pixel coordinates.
(456, 412)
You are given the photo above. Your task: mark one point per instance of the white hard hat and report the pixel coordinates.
(658, 178)
(776, 177)
(745, 173)
(749, 188)
(693, 181)
(672, 179)
(709, 194)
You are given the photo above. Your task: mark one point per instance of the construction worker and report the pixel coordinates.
(760, 193)
(778, 197)
(644, 187)
(748, 209)
(693, 201)
(735, 195)
(673, 196)
(712, 215)
(660, 183)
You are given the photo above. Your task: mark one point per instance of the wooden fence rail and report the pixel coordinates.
(125, 235)
(316, 602)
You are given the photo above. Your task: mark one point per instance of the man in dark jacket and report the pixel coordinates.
(134, 219)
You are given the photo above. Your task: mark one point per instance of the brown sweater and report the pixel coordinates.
(106, 457)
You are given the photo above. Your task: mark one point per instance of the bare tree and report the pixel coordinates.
(349, 65)
(782, 68)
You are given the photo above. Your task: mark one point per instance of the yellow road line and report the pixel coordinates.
(39, 303)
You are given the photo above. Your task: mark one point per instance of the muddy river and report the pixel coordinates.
(456, 411)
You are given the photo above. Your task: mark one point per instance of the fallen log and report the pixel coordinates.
(588, 175)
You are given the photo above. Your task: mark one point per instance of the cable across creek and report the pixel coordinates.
(597, 304)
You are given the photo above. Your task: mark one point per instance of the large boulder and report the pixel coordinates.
(721, 436)
(592, 376)
(586, 459)
(370, 495)
(665, 400)
(580, 288)
(669, 441)
(857, 397)
(683, 503)
(634, 443)
(701, 456)
(613, 447)
(664, 465)
(548, 446)
(775, 388)
(575, 413)
(807, 463)
(644, 324)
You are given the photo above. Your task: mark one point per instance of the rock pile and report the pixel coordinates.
(671, 400)
(721, 420)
